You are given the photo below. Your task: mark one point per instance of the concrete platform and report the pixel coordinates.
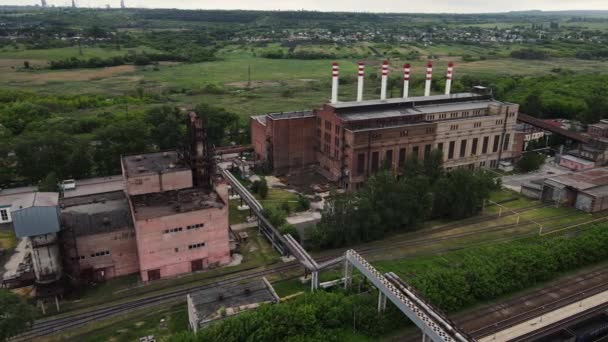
(548, 318)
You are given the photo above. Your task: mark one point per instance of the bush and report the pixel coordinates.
(303, 203)
(530, 161)
(277, 217)
(263, 188)
(286, 207)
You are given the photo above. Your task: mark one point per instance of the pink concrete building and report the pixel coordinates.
(98, 236)
(179, 228)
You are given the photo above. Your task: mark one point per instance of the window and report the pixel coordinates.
(493, 164)
(3, 215)
(427, 151)
(337, 141)
(463, 148)
(484, 147)
(388, 160)
(415, 151)
(506, 143)
(176, 249)
(376, 136)
(375, 160)
(499, 122)
(98, 254)
(474, 147)
(337, 130)
(451, 150)
(440, 147)
(477, 125)
(453, 127)
(430, 130)
(172, 230)
(403, 134)
(360, 163)
(196, 245)
(401, 156)
(195, 226)
(327, 137)
(328, 125)
(495, 146)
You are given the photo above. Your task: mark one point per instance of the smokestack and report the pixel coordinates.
(360, 76)
(335, 72)
(448, 78)
(429, 78)
(406, 80)
(384, 80)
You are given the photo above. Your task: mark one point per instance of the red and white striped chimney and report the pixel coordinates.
(384, 80)
(335, 72)
(406, 80)
(360, 76)
(429, 78)
(448, 78)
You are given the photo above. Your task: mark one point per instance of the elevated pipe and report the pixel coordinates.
(429, 78)
(384, 80)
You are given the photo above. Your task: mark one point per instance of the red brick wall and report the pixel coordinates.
(123, 252)
(518, 146)
(258, 138)
(293, 143)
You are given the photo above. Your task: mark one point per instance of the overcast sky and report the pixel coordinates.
(430, 6)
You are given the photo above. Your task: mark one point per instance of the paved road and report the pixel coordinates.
(549, 169)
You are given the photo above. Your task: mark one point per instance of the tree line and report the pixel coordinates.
(387, 204)
(38, 143)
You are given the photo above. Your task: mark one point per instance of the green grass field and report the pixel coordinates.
(68, 52)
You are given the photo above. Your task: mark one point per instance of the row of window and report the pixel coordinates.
(179, 229)
(454, 115)
(388, 158)
(98, 254)
(3, 215)
(197, 245)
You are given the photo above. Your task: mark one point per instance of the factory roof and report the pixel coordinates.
(584, 180)
(577, 159)
(418, 100)
(169, 203)
(260, 118)
(375, 113)
(9, 196)
(36, 199)
(97, 185)
(234, 298)
(291, 115)
(600, 191)
(97, 213)
(157, 162)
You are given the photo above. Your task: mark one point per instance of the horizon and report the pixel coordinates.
(357, 6)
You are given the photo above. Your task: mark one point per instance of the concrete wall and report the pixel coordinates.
(170, 252)
(122, 259)
(150, 182)
(584, 203)
(573, 165)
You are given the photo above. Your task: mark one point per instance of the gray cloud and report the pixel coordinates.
(433, 6)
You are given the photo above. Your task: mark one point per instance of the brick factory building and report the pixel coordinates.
(349, 141)
(164, 216)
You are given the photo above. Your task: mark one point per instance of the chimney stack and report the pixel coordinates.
(406, 80)
(360, 76)
(384, 80)
(429, 78)
(334, 82)
(448, 78)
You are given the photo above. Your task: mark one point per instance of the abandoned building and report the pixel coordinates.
(165, 215)
(349, 141)
(584, 190)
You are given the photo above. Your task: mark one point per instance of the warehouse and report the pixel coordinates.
(586, 190)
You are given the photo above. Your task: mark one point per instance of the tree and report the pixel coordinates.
(122, 136)
(15, 315)
(461, 193)
(39, 153)
(303, 203)
(530, 161)
(533, 104)
(49, 183)
(217, 122)
(263, 188)
(167, 126)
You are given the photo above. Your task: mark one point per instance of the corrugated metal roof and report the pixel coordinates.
(421, 99)
(359, 114)
(36, 199)
(584, 180)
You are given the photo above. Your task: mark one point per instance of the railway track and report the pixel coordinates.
(482, 324)
(54, 325)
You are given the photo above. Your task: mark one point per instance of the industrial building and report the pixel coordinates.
(166, 215)
(349, 141)
(584, 190)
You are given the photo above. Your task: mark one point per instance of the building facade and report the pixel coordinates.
(353, 140)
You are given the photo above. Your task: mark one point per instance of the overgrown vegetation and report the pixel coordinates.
(15, 315)
(530, 161)
(460, 279)
(386, 204)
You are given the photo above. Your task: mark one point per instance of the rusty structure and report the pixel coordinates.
(197, 151)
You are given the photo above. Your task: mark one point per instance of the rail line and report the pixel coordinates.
(50, 326)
